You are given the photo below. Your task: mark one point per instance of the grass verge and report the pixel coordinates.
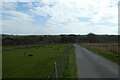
(70, 69)
(109, 55)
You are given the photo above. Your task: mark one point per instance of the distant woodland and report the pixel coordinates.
(46, 39)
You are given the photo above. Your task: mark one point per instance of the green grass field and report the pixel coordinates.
(35, 62)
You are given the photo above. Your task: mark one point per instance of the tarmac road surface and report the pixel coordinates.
(90, 65)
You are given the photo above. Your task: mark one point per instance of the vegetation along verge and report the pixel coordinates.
(70, 69)
(106, 50)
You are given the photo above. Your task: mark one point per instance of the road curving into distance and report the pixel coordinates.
(90, 65)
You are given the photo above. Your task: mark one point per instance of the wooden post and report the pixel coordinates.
(56, 70)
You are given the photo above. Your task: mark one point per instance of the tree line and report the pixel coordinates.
(63, 38)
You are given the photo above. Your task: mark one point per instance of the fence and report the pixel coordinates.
(59, 65)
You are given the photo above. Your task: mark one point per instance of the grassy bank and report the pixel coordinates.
(109, 55)
(34, 62)
(70, 69)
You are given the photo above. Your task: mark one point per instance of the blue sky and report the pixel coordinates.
(59, 17)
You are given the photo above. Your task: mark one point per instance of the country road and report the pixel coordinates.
(90, 65)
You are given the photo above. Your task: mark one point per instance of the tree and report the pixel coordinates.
(91, 38)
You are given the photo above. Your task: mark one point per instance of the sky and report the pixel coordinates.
(44, 17)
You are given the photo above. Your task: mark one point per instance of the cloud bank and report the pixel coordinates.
(59, 17)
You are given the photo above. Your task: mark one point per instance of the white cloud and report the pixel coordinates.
(9, 5)
(69, 10)
(64, 16)
(18, 16)
(0, 5)
(17, 22)
(19, 0)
